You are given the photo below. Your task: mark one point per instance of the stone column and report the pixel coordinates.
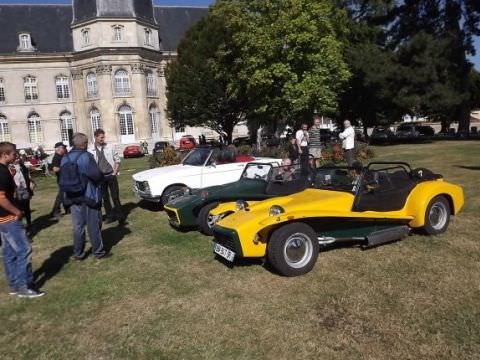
(108, 111)
(80, 115)
(142, 125)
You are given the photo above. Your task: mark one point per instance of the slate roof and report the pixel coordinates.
(89, 9)
(49, 26)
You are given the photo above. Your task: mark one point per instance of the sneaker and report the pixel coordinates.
(103, 257)
(29, 293)
(13, 291)
(79, 258)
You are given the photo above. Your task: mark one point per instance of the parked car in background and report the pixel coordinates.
(382, 135)
(413, 132)
(242, 140)
(132, 151)
(187, 142)
(203, 166)
(161, 145)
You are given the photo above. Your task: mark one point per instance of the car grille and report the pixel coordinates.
(226, 241)
(172, 216)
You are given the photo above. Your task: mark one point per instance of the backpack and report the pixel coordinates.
(71, 182)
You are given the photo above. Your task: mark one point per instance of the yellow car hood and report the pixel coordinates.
(299, 205)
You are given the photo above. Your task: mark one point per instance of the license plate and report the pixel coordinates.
(224, 252)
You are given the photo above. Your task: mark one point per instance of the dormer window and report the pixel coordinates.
(25, 42)
(118, 33)
(148, 37)
(86, 37)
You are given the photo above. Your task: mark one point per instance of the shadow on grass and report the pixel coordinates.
(150, 206)
(52, 265)
(113, 235)
(468, 167)
(41, 223)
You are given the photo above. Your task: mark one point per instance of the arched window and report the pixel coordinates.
(4, 130)
(125, 118)
(35, 128)
(92, 88)
(66, 127)
(25, 42)
(153, 115)
(151, 91)
(61, 84)
(2, 91)
(117, 33)
(30, 87)
(95, 120)
(122, 82)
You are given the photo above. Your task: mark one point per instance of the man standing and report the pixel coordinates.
(315, 144)
(60, 150)
(17, 250)
(302, 144)
(80, 180)
(108, 161)
(348, 142)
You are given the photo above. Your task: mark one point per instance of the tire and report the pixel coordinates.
(168, 191)
(437, 216)
(282, 254)
(204, 220)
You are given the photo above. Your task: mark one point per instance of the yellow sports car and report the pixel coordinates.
(365, 206)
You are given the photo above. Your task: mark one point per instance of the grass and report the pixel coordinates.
(163, 296)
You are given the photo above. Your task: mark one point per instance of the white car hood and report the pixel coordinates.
(163, 172)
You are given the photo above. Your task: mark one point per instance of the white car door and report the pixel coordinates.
(221, 174)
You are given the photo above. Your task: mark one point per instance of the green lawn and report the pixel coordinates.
(164, 296)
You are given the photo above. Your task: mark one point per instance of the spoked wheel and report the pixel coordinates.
(437, 216)
(205, 220)
(293, 249)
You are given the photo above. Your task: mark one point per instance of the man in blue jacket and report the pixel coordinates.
(86, 206)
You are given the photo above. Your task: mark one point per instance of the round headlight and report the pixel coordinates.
(276, 210)
(204, 195)
(241, 205)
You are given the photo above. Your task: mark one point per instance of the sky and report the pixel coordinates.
(475, 60)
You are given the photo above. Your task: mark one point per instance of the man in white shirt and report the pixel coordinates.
(302, 144)
(348, 142)
(108, 161)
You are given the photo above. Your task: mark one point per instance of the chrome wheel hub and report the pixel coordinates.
(438, 216)
(298, 250)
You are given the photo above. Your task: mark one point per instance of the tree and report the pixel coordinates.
(291, 56)
(199, 91)
(369, 97)
(451, 26)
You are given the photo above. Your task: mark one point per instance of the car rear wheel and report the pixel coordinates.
(293, 249)
(437, 216)
(167, 193)
(205, 220)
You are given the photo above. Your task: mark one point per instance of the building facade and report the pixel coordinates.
(96, 63)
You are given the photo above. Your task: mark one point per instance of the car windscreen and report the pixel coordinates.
(336, 178)
(196, 157)
(257, 171)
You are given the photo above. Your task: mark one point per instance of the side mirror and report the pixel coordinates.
(212, 165)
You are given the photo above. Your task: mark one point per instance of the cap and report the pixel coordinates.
(58, 144)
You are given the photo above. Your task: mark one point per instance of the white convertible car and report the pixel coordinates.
(202, 167)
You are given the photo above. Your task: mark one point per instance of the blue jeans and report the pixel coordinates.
(17, 255)
(82, 216)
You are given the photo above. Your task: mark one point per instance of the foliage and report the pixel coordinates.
(291, 60)
(166, 158)
(199, 81)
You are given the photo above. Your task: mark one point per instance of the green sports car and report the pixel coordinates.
(259, 181)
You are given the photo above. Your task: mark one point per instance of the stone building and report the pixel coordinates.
(95, 63)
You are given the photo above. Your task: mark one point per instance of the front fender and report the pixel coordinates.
(423, 193)
(229, 207)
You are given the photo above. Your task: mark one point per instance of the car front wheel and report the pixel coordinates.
(168, 192)
(437, 216)
(205, 220)
(293, 249)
